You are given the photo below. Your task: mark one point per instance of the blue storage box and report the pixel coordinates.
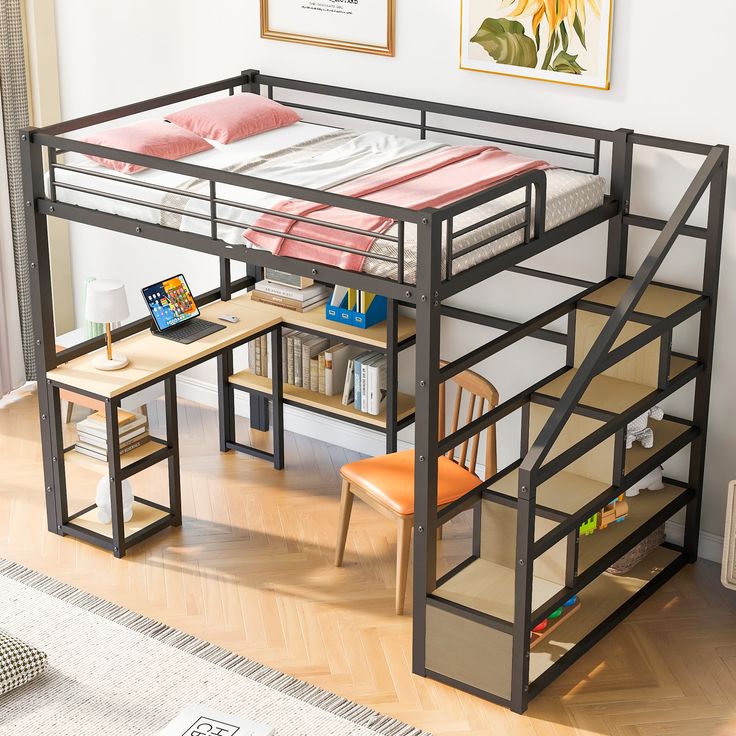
(376, 313)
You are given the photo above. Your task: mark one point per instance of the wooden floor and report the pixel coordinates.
(251, 570)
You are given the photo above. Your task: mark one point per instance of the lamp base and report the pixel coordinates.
(103, 364)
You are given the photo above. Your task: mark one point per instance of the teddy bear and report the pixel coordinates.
(651, 482)
(639, 431)
(102, 499)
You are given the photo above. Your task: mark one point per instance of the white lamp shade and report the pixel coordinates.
(106, 301)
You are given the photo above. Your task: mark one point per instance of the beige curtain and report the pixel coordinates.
(12, 371)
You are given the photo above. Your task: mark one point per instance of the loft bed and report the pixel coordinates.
(471, 625)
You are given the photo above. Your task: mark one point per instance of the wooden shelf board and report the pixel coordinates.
(641, 508)
(565, 492)
(143, 516)
(665, 432)
(597, 601)
(315, 320)
(331, 404)
(75, 457)
(611, 394)
(657, 301)
(488, 587)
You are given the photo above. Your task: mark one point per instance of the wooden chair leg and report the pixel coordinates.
(439, 533)
(144, 410)
(69, 411)
(346, 506)
(402, 560)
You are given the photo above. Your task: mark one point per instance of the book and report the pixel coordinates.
(298, 337)
(290, 357)
(285, 355)
(336, 361)
(362, 406)
(321, 372)
(296, 306)
(124, 417)
(338, 295)
(257, 363)
(314, 374)
(311, 346)
(252, 356)
(376, 386)
(101, 440)
(288, 279)
(99, 429)
(198, 720)
(357, 372)
(264, 355)
(348, 393)
(101, 453)
(290, 292)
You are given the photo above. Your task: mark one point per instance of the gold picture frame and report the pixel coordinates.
(531, 20)
(367, 48)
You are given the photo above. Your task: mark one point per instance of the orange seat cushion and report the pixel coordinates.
(390, 480)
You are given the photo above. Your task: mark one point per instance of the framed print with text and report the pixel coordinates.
(354, 25)
(565, 41)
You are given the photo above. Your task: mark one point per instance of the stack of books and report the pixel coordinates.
(92, 433)
(292, 292)
(365, 382)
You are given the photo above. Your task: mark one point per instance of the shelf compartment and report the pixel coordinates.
(612, 395)
(298, 396)
(145, 515)
(149, 453)
(564, 492)
(658, 301)
(600, 600)
(669, 438)
(642, 508)
(315, 320)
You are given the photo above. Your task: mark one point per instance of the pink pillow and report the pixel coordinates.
(151, 137)
(233, 118)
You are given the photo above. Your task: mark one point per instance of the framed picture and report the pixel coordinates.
(565, 41)
(355, 25)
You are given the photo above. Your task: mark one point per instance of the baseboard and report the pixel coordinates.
(710, 546)
(370, 442)
(300, 421)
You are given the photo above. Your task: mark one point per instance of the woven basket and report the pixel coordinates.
(634, 556)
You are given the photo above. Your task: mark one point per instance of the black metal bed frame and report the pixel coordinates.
(426, 295)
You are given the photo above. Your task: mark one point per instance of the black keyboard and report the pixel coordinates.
(191, 330)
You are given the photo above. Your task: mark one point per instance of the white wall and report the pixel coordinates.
(672, 76)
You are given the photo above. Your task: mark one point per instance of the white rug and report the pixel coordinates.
(113, 672)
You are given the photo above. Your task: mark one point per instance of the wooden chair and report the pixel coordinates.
(386, 482)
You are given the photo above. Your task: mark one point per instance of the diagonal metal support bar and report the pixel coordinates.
(644, 276)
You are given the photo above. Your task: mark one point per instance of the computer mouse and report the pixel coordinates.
(229, 318)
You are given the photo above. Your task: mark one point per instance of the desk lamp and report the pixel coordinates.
(106, 302)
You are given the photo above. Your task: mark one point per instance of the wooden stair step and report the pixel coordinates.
(657, 300)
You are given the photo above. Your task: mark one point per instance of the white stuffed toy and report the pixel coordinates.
(102, 499)
(651, 482)
(640, 431)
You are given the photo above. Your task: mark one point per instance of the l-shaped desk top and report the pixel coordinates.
(151, 357)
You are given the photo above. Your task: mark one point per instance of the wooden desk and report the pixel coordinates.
(153, 360)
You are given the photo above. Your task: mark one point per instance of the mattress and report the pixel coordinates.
(319, 157)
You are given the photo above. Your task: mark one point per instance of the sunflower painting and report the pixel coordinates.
(564, 41)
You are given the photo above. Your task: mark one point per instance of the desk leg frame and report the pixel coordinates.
(172, 440)
(116, 483)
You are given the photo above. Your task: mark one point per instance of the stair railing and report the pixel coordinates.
(591, 365)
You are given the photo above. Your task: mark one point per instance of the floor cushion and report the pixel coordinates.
(19, 663)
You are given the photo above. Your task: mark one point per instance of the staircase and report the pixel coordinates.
(530, 557)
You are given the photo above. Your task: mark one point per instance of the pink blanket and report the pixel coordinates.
(432, 180)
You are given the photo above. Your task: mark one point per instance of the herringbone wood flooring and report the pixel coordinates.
(251, 570)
